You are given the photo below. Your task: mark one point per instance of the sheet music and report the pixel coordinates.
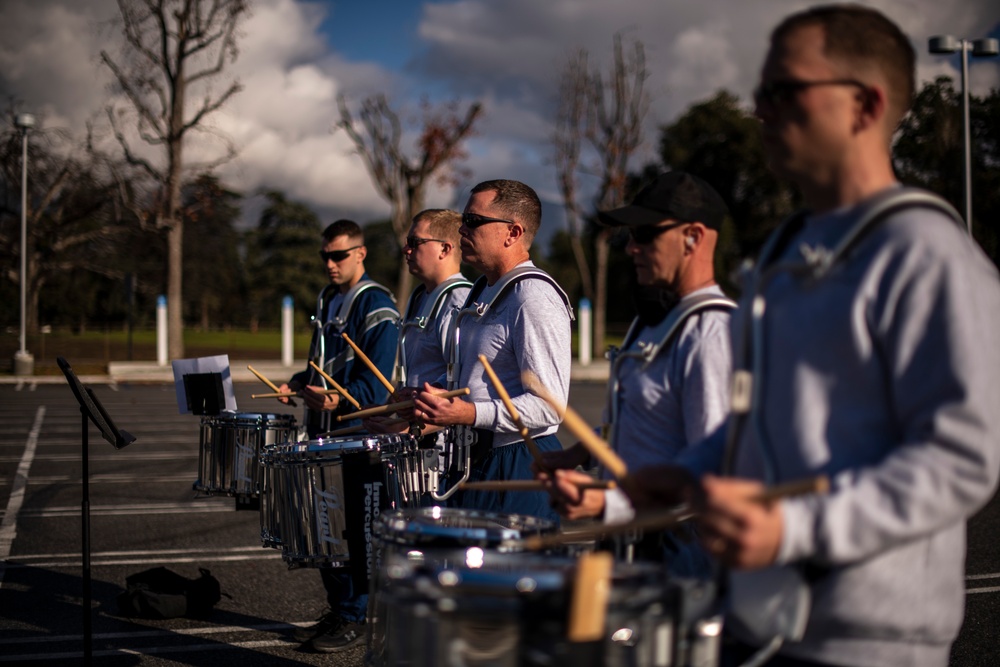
(217, 364)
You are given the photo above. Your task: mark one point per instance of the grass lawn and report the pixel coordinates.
(90, 352)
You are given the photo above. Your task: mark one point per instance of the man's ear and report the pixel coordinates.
(874, 106)
(515, 232)
(362, 253)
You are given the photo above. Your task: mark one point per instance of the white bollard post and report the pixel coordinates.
(161, 330)
(585, 335)
(287, 341)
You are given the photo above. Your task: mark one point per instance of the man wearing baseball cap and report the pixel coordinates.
(669, 385)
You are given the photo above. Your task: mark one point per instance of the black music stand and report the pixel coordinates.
(90, 408)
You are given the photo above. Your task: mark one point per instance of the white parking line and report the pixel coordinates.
(172, 556)
(211, 630)
(221, 504)
(111, 478)
(8, 527)
(151, 650)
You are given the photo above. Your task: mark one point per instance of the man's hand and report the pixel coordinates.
(567, 459)
(385, 424)
(569, 499)
(736, 527)
(405, 394)
(316, 400)
(660, 486)
(430, 408)
(286, 388)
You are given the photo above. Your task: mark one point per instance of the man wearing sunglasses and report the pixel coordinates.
(356, 305)
(519, 319)
(864, 351)
(433, 257)
(669, 383)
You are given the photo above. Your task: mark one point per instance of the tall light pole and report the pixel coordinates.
(24, 363)
(941, 44)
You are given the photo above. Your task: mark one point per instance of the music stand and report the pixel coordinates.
(90, 408)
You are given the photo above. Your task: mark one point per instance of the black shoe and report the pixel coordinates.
(325, 623)
(342, 637)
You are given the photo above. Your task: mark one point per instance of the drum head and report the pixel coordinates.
(445, 526)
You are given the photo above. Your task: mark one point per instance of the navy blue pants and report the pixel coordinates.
(509, 462)
(342, 597)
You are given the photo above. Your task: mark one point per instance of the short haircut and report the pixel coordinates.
(347, 228)
(515, 200)
(863, 39)
(442, 224)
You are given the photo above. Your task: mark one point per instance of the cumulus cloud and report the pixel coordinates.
(507, 55)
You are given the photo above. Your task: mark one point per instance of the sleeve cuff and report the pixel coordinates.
(797, 534)
(617, 508)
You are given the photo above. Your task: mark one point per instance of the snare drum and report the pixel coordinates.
(509, 610)
(230, 447)
(434, 537)
(321, 496)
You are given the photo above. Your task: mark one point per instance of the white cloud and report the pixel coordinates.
(507, 55)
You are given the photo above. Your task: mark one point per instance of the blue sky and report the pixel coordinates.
(296, 57)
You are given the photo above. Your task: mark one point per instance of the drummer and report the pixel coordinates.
(868, 356)
(433, 256)
(519, 319)
(356, 305)
(669, 385)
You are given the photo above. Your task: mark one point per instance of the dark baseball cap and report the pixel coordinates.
(674, 195)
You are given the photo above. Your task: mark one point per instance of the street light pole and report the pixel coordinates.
(24, 363)
(946, 44)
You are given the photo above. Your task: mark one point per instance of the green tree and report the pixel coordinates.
(282, 260)
(213, 268)
(720, 141)
(929, 153)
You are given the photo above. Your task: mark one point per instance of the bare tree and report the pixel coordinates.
(70, 216)
(170, 45)
(402, 180)
(607, 112)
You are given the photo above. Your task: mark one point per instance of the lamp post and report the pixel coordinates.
(942, 44)
(24, 363)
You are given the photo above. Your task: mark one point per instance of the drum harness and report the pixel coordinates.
(747, 383)
(663, 335)
(425, 476)
(338, 322)
(466, 443)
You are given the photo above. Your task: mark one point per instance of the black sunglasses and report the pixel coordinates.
(779, 92)
(473, 220)
(413, 242)
(336, 256)
(646, 234)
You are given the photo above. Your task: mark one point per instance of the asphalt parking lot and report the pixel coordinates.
(144, 513)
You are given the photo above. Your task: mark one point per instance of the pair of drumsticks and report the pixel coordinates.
(338, 389)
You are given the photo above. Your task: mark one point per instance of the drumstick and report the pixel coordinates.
(536, 453)
(355, 429)
(589, 603)
(393, 407)
(287, 394)
(599, 448)
(368, 362)
(525, 485)
(270, 384)
(333, 383)
(667, 519)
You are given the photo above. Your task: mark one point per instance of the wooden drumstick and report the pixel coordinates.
(600, 449)
(389, 408)
(333, 383)
(285, 394)
(589, 603)
(524, 485)
(355, 429)
(368, 362)
(270, 384)
(536, 453)
(668, 519)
